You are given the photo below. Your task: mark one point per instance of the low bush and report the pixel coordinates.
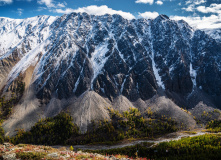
(214, 126)
(50, 131)
(30, 155)
(205, 147)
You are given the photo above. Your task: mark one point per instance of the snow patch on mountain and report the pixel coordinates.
(98, 60)
(193, 75)
(155, 70)
(156, 73)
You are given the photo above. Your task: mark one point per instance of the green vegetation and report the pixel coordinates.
(2, 134)
(129, 124)
(6, 105)
(216, 111)
(206, 116)
(201, 147)
(61, 130)
(214, 126)
(50, 131)
(30, 155)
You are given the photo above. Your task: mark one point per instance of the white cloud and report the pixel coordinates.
(149, 15)
(41, 9)
(159, 2)
(211, 22)
(145, 1)
(188, 2)
(195, 2)
(198, 2)
(213, 8)
(25, 0)
(20, 11)
(97, 10)
(66, 11)
(61, 5)
(190, 8)
(52, 4)
(48, 3)
(6, 1)
(191, 5)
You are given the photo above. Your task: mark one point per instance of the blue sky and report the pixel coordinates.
(198, 13)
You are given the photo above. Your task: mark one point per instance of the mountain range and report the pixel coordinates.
(84, 64)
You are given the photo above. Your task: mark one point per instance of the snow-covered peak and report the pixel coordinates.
(16, 32)
(214, 33)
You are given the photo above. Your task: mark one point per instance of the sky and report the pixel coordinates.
(200, 14)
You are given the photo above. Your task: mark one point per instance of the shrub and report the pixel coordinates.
(50, 131)
(214, 126)
(2, 138)
(30, 155)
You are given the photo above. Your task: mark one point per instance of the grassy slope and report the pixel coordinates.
(201, 147)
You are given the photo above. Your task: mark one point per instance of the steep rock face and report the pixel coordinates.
(112, 56)
(171, 52)
(6, 65)
(207, 63)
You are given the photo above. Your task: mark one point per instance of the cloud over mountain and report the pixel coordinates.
(97, 10)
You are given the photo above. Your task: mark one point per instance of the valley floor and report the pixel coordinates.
(38, 152)
(132, 142)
